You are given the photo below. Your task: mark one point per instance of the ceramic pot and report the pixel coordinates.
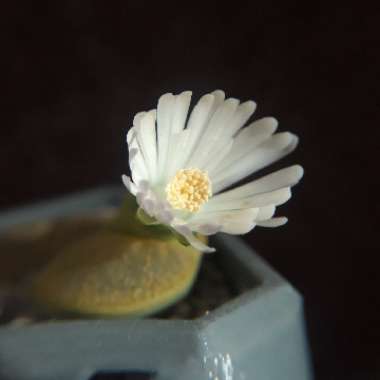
(258, 335)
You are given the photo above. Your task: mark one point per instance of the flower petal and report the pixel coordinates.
(174, 152)
(136, 160)
(217, 156)
(214, 132)
(162, 212)
(199, 117)
(242, 115)
(274, 222)
(227, 120)
(238, 227)
(231, 221)
(181, 108)
(137, 118)
(129, 184)
(282, 178)
(164, 216)
(276, 197)
(198, 121)
(270, 151)
(164, 122)
(196, 243)
(145, 202)
(265, 213)
(205, 228)
(146, 134)
(247, 140)
(240, 222)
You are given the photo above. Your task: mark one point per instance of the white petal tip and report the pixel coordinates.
(208, 98)
(272, 120)
(280, 221)
(130, 135)
(193, 240)
(267, 123)
(298, 172)
(186, 94)
(286, 141)
(220, 93)
(249, 106)
(153, 112)
(148, 117)
(274, 222)
(294, 143)
(289, 136)
(128, 184)
(138, 117)
(165, 97)
(232, 102)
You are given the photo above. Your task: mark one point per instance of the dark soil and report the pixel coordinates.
(211, 289)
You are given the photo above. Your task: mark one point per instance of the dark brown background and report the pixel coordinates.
(74, 74)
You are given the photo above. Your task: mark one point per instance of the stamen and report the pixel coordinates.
(188, 190)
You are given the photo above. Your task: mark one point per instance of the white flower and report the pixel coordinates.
(180, 169)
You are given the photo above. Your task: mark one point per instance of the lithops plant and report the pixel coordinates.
(182, 169)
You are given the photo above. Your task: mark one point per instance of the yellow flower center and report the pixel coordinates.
(188, 190)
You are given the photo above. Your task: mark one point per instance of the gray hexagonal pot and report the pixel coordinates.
(259, 335)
